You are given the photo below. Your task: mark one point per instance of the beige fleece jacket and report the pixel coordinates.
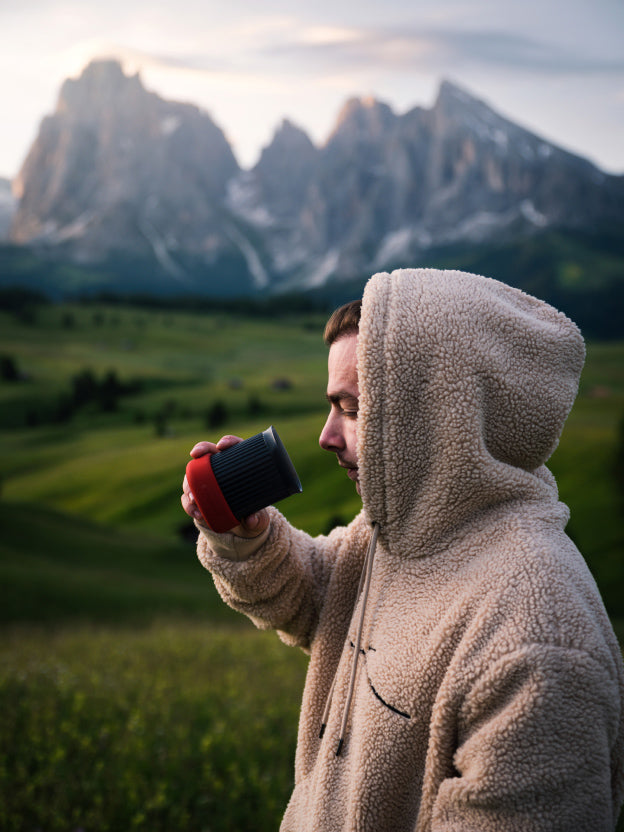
(489, 688)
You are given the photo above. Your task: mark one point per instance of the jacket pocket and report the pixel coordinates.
(387, 704)
(380, 691)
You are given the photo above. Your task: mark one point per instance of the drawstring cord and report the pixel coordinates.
(327, 707)
(363, 589)
(330, 695)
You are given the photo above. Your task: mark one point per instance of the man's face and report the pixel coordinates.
(340, 432)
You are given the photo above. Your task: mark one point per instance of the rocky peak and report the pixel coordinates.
(451, 95)
(458, 113)
(101, 85)
(285, 168)
(289, 143)
(455, 109)
(362, 119)
(273, 192)
(117, 167)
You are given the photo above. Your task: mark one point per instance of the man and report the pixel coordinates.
(463, 672)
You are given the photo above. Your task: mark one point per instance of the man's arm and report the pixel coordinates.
(278, 580)
(265, 568)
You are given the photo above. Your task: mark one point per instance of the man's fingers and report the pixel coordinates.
(202, 448)
(190, 507)
(227, 442)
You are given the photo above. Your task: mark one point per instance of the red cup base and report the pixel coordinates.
(208, 496)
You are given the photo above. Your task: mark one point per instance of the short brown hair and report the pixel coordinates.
(343, 321)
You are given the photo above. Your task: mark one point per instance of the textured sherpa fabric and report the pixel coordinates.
(489, 688)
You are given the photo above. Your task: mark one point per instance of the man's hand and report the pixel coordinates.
(251, 526)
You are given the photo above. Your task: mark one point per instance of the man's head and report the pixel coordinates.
(340, 432)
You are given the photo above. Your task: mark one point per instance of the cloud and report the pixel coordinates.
(197, 62)
(281, 46)
(436, 48)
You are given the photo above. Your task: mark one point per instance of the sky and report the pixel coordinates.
(554, 66)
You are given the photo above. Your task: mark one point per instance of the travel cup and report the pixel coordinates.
(234, 483)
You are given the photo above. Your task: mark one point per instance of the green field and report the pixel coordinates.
(176, 727)
(131, 698)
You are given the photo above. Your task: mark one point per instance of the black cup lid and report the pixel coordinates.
(255, 473)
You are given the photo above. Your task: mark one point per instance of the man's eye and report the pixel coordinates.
(352, 414)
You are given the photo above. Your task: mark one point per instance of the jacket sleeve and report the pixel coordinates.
(277, 580)
(534, 742)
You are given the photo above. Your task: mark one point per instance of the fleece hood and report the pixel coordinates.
(465, 385)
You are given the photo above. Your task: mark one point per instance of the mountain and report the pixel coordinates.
(150, 193)
(386, 189)
(118, 173)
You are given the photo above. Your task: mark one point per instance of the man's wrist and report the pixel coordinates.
(232, 546)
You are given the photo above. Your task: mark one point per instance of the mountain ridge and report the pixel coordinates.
(116, 171)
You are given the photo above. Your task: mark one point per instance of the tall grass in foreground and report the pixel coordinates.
(175, 727)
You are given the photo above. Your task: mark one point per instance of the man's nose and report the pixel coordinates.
(331, 438)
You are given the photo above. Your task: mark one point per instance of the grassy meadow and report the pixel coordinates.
(130, 696)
